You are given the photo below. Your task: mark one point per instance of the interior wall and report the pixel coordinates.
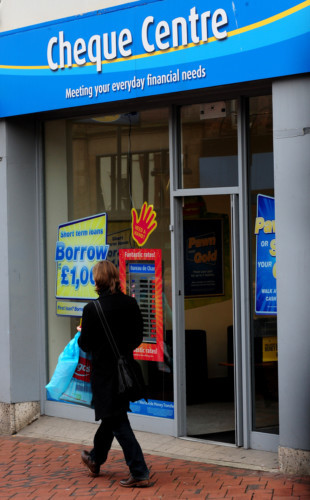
(213, 318)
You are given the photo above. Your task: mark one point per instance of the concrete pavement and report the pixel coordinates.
(72, 431)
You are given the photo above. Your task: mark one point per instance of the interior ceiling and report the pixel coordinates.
(260, 87)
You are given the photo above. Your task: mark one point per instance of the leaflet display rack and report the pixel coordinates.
(141, 277)
(142, 287)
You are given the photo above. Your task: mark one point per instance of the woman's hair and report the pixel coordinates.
(106, 277)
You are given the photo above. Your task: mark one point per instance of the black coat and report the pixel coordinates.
(126, 324)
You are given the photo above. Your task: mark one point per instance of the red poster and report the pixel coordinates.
(141, 277)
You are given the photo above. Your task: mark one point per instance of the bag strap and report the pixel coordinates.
(107, 329)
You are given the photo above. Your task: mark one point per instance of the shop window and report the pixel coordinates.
(209, 151)
(263, 267)
(113, 164)
(130, 180)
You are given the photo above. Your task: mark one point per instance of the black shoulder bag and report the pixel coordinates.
(131, 384)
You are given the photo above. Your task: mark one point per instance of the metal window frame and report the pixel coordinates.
(177, 195)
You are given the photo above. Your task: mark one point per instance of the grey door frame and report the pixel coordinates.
(239, 276)
(241, 293)
(178, 309)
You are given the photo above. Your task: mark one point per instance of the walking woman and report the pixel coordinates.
(126, 324)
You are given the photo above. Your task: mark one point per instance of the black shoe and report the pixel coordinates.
(131, 482)
(93, 468)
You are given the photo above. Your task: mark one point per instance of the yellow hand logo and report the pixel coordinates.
(144, 225)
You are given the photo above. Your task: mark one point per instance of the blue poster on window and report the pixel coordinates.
(265, 283)
(153, 408)
(203, 257)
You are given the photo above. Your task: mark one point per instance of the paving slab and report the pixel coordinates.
(44, 469)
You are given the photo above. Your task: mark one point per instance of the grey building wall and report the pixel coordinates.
(5, 372)
(20, 287)
(291, 112)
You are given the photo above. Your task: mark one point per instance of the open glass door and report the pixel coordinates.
(209, 318)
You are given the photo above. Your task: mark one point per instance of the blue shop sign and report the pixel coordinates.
(266, 282)
(150, 48)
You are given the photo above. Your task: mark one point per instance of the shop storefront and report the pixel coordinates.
(158, 134)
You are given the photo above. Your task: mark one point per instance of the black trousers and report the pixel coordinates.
(119, 427)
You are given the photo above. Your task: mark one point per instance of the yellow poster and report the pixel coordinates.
(270, 349)
(69, 308)
(80, 245)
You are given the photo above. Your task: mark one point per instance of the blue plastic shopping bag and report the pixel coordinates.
(67, 363)
(79, 389)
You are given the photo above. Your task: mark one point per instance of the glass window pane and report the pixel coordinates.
(138, 165)
(208, 307)
(114, 164)
(263, 280)
(209, 145)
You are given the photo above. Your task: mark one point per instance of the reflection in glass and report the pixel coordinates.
(118, 163)
(209, 145)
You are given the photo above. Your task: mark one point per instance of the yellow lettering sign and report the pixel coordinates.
(268, 226)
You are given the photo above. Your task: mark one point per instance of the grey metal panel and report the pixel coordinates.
(41, 275)
(138, 422)
(5, 368)
(64, 410)
(291, 114)
(177, 284)
(244, 273)
(264, 441)
(206, 191)
(152, 424)
(24, 293)
(179, 323)
(236, 320)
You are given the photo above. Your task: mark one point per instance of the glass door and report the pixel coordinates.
(209, 318)
(228, 352)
